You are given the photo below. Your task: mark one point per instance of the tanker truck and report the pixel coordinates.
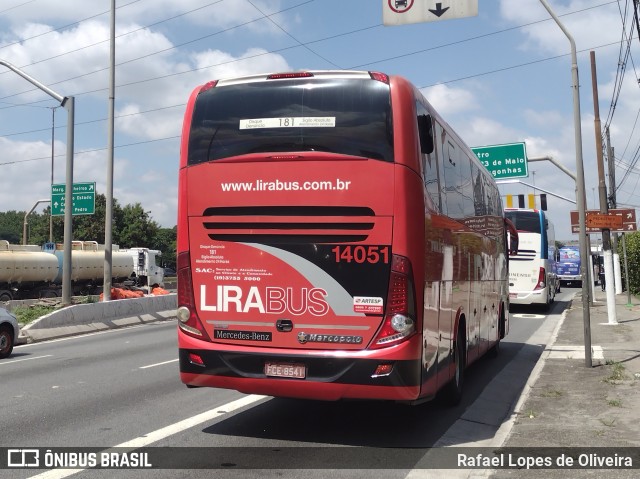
(31, 271)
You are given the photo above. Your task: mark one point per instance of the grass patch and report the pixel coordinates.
(552, 393)
(617, 373)
(28, 314)
(614, 403)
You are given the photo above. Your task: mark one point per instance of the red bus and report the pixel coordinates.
(336, 239)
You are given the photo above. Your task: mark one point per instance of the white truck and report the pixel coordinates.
(30, 271)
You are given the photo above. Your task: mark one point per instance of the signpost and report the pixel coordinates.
(504, 161)
(624, 221)
(83, 199)
(604, 221)
(400, 12)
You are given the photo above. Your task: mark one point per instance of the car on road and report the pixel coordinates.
(168, 272)
(9, 331)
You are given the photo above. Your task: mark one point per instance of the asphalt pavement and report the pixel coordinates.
(570, 408)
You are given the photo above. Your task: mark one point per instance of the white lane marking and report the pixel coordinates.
(4, 363)
(528, 316)
(164, 432)
(158, 364)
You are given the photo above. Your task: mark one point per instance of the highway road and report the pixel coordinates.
(122, 388)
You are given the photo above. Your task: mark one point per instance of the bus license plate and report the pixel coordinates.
(285, 370)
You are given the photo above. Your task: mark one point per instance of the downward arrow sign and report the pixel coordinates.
(439, 11)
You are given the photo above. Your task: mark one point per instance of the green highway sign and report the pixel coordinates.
(83, 197)
(504, 161)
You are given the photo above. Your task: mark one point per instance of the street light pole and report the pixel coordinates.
(26, 222)
(53, 127)
(69, 103)
(580, 189)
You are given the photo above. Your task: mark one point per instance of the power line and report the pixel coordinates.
(300, 44)
(14, 7)
(158, 51)
(63, 27)
(268, 17)
(316, 41)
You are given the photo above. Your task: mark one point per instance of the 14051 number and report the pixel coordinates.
(361, 254)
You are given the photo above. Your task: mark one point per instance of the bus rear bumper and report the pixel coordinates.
(569, 278)
(329, 375)
(529, 297)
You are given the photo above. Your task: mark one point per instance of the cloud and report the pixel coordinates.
(590, 27)
(448, 100)
(213, 13)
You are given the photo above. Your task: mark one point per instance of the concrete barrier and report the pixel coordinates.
(91, 317)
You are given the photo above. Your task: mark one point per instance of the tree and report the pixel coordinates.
(11, 226)
(165, 241)
(633, 260)
(132, 226)
(135, 227)
(92, 227)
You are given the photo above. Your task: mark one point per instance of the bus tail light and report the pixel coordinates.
(399, 319)
(542, 279)
(208, 86)
(381, 77)
(188, 320)
(289, 75)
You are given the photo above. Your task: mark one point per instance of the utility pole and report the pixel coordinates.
(108, 217)
(612, 204)
(604, 206)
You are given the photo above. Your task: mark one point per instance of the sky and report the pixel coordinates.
(503, 76)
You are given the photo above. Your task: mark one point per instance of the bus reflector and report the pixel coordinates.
(279, 76)
(382, 370)
(195, 359)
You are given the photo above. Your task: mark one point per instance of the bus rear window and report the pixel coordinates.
(528, 221)
(343, 116)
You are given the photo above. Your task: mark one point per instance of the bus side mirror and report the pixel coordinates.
(425, 130)
(512, 236)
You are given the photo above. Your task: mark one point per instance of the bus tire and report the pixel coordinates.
(454, 388)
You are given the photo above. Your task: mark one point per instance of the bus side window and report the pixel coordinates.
(466, 185)
(479, 196)
(430, 161)
(425, 130)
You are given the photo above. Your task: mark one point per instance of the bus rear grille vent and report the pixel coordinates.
(289, 224)
(288, 211)
(524, 255)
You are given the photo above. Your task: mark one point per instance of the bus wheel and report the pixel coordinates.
(454, 389)
(5, 295)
